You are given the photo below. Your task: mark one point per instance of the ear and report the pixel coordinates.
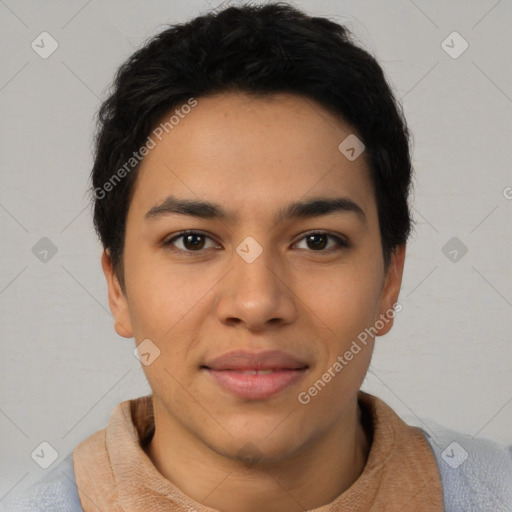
(390, 291)
(116, 299)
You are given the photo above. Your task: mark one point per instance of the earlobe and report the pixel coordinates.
(391, 291)
(122, 331)
(116, 299)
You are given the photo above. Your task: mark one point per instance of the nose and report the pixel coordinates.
(256, 295)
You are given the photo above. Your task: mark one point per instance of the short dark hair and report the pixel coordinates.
(259, 50)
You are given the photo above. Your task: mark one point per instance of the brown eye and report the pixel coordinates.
(191, 242)
(322, 242)
(316, 241)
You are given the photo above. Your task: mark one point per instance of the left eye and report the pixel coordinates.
(320, 241)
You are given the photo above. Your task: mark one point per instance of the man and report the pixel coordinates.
(250, 189)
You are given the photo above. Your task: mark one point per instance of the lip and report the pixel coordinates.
(256, 386)
(237, 372)
(248, 360)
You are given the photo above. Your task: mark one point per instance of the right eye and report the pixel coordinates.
(191, 241)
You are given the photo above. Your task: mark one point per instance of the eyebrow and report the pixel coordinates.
(312, 207)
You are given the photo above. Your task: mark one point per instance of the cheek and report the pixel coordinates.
(163, 298)
(344, 300)
(344, 311)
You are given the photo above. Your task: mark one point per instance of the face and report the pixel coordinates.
(282, 252)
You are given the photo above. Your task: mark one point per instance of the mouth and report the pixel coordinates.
(256, 384)
(255, 376)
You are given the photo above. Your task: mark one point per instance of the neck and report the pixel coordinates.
(313, 476)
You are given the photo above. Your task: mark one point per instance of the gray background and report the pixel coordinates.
(448, 358)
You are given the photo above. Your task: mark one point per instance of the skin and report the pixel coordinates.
(254, 156)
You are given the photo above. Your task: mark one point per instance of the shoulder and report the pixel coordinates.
(476, 474)
(56, 492)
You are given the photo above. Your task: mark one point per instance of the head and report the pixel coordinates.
(276, 143)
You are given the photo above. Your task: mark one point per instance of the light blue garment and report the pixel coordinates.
(56, 492)
(476, 475)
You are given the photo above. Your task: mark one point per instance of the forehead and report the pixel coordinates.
(240, 150)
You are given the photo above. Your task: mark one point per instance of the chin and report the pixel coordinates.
(260, 444)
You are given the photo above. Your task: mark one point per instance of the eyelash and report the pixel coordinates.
(341, 243)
